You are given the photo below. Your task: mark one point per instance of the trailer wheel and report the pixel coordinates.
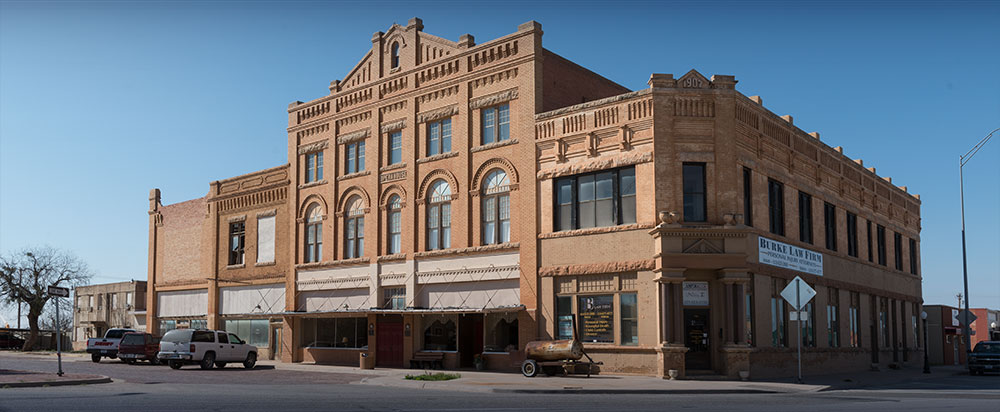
(529, 368)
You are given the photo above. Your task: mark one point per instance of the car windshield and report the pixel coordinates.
(987, 347)
(131, 339)
(177, 335)
(115, 334)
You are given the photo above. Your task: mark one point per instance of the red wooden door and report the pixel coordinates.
(389, 343)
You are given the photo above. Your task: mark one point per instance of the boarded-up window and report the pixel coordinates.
(265, 239)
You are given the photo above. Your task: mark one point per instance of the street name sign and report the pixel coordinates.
(58, 291)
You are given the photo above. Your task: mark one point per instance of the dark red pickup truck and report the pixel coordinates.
(136, 346)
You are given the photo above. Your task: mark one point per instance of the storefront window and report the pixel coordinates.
(597, 316)
(564, 316)
(167, 326)
(630, 319)
(253, 331)
(501, 332)
(748, 313)
(349, 333)
(440, 333)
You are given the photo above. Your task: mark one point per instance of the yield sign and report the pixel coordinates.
(798, 293)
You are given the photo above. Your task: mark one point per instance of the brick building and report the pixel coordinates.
(439, 197)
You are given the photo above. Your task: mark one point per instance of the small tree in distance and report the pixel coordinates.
(26, 275)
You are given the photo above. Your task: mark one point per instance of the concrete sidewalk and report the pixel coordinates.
(28, 379)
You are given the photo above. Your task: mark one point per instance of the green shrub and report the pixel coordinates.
(440, 376)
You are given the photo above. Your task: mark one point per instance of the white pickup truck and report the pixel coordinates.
(106, 346)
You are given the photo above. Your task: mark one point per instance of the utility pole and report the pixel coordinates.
(959, 296)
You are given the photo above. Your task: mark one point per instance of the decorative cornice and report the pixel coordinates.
(435, 114)
(353, 175)
(597, 268)
(595, 103)
(493, 145)
(597, 163)
(436, 157)
(596, 230)
(468, 250)
(394, 125)
(315, 146)
(234, 219)
(492, 99)
(352, 136)
(391, 258)
(313, 183)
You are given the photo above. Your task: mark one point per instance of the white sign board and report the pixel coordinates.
(954, 318)
(797, 316)
(798, 293)
(696, 293)
(58, 291)
(783, 255)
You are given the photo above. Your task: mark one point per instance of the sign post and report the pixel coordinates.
(56, 292)
(798, 293)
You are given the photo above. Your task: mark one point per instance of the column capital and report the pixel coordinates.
(669, 275)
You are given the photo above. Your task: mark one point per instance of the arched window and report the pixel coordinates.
(496, 208)
(439, 216)
(395, 221)
(354, 229)
(314, 234)
(395, 55)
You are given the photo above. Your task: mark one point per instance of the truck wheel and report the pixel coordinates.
(154, 361)
(175, 364)
(529, 368)
(208, 361)
(129, 361)
(220, 365)
(95, 358)
(251, 360)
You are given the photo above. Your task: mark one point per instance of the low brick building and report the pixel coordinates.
(97, 308)
(463, 199)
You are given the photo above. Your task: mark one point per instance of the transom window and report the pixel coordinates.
(314, 167)
(354, 229)
(355, 157)
(496, 208)
(605, 198)
(439, 137)
(395, 147)
(496, 124)
(439, 216)
(395, 222)
(314, 234)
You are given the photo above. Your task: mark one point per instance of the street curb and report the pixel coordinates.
(38, 384)
(638, 391)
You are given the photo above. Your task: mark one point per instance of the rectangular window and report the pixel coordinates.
(355, 157)
(501, 332)
(897, 250)
(852, 234)
(854, 315)
(439, 137)
(695, 207)
(881, 245)
(395, 231)
(869, 230)
(265, 239)
(809, 329)
(314, 242)
(394, 298)
(883, 323)
(779, 321)
(630, 319)
(496, 124)
(597, 318)
(915, 325)
(564, 317)
(748, 313)
(833, 319)
(805, 218)
(332, 333)
(314, 167)
(395, 147)
(237, 237)
(605, 198)
(776, 206)
(913, 256)
(830, 221)
(748, 196)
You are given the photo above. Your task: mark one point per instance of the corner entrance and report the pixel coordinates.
(696, 338)
(389, 341)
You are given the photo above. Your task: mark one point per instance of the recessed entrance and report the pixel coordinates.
(696, 338)
(470, 339)
(389, 341)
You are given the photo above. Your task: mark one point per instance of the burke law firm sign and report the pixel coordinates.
(783, 255)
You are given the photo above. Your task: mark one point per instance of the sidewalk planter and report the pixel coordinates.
(744, 375)
(673, 373)
(480, 362)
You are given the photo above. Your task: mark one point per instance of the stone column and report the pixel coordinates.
(671, 351)
(736, 354)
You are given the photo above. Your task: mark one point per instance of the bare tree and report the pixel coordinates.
(26, 275)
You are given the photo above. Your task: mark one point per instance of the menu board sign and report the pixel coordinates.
(597, 318)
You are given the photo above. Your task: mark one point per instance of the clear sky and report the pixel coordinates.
(102, 101)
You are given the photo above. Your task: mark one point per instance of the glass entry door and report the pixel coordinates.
(696, 338)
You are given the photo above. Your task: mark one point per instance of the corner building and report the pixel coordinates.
(453, 200)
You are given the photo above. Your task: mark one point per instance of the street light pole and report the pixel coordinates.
(962, 160)
(927, 364)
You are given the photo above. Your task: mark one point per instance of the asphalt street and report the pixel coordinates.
(266, 389)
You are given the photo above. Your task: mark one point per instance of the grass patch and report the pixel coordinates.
(440, 376)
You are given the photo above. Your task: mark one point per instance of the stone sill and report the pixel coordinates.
(391, 258)
(596, 230)
(493, 145)
(353, 175)
(333, 263)
(394, 166)
(312, 184)
(436, 157)
(468, 250)
(239, 266)
(259, 264)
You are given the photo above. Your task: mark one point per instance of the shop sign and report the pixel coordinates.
(783, 255)
(597, 318)
(695, 293)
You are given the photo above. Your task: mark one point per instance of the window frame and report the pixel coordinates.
(313, 235)
(880, 230)
(703, 194)
(748, 196)
(440, 206)
(436, 145)
(314, 166)
(492, 131)
(830, 221)
(776, 206)
(897, 250)
(394, 225)
(394, 141)
(913, 256)
(574, 204)
(354, 221)
(852, 234)
(354, 157)
(497, 195)
(805, 218)
(237, 243)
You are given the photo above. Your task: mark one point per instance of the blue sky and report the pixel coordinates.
(102, 101)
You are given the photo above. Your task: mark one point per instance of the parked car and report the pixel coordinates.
(136, 346)
(207, 348)
(106, 346)
(985, 358)
(9, 341)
